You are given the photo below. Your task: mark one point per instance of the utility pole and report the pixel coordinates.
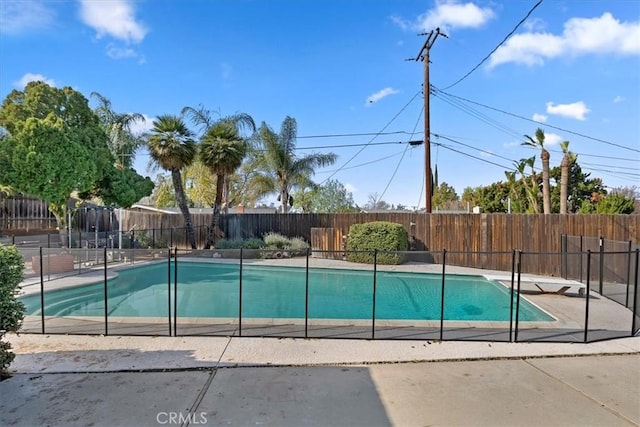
(423, 56)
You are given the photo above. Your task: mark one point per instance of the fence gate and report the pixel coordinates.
(326, 243)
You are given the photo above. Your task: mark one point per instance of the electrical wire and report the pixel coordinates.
(477, 114)
(447, 147)
(403, 153)
(540, 123)
(364, 164)
(374, 137)
(342, 135)
(497, 47)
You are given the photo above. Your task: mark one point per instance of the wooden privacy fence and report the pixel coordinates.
(26, 214)
(474, 240)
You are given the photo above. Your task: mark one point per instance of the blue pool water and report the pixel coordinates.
(212, 290)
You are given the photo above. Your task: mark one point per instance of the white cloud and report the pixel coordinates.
(448, 14)
(581, 36)
(115, 18)
(512, 144)
(552, 139)
(139, 127)
(486, 153)
(116, 52)
(539, 118)
(380, 94)
(19, 16)
(535, 24)
(576, 110)
(350, 188)
(618, 99)
(31, 77)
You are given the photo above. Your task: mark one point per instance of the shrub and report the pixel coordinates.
(239, 244)
(275, 241)
(11, 310)
(278, 246)
(380, 235)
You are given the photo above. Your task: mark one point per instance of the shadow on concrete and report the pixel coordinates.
(130, 387)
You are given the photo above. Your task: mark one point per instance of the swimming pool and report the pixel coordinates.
(212, 290)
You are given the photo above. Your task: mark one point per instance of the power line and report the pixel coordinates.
(599, 156)
(402, 158)
(497, 47)
(343, 135)
(540, 123)
(470, 155)
(364, 164)
(474, 148)
(478, 115)
(608, 166)
(318, 147)
(374, 137)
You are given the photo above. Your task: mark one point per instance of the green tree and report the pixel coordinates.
(581, 188)
(124, 187)
(199, 185)
(545, 156)
(11, 309)
(612, 203)
(222, 150)
(204, 120)
(122, 143)
(54, 146)
(331, 197)
(280, 170)
(163, 195)
(443, 194)
(171, 146)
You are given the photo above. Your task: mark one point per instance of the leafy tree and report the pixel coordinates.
(163, 195)
(54, 145)
(199, 185)
(545, 156)
(612, 203)
(222, 151)
(331, 197)
(124, 187)
(581, 188)
(280, 170)
(171, 146)
(442, 195)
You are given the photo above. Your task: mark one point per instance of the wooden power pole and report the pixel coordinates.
(423, 56)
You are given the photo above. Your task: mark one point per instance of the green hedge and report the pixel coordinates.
(11, 310)
(380, 235)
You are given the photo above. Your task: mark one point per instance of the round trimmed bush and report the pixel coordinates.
(386, 237)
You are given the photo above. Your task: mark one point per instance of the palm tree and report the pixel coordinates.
(123, 144)
(530, 186)
(204, 120)
(567, 158)
(545, 156)
(280, 169)
(171, 146)
(222, 150)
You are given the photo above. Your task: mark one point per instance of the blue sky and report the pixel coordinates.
(339, 67)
